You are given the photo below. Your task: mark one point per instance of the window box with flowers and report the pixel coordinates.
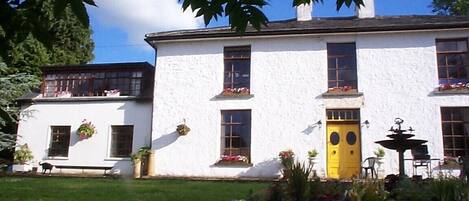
(237, 93)
(453, 88)
(233, 160)
(63, 94)
(112, 93)
(86, 130)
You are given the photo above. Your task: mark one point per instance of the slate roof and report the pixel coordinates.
(323, 25)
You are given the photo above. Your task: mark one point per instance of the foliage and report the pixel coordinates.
(313, 153)
(380, 152)
(68, 41)
(240, 13)
(23, 154)
(408, 190)
(450, 7)
(367, 191)
(22, 18)
(287, 158)
(13, 86)
(449, 189)
(141, 154)
(297, 183)
(86, 129)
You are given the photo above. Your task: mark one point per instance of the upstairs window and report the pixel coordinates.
(453, 61)
(342, 67)
(60, 141)
(455, 124)
(236, 133)
(121, 141)
(237, 68)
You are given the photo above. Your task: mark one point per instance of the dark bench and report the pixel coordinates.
(83, 167)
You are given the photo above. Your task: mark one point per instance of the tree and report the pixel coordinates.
(451, 7)
(23, 52)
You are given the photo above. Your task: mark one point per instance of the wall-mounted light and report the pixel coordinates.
(366, 123)
(318, 124)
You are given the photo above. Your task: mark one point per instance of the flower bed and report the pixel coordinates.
(243, 91)
(454, 87)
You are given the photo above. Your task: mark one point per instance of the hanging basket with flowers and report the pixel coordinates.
(183, 129)
(86, 129)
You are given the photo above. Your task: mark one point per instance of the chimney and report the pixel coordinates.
(366, 11)
(304, 12)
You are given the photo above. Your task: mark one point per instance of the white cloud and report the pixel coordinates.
(139, 17)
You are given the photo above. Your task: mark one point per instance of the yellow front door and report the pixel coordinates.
(343, 151)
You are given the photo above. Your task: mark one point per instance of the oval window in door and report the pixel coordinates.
(351, 138)
(334, 138)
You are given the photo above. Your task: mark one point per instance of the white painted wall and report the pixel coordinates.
(36, 119)
(397, 73)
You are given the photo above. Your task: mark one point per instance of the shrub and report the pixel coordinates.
(23, 155)
(287, 158)
(367, 191)
(449, 189)
(297, 184)
(141, 153)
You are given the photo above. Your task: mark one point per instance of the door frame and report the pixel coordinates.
(332, 122)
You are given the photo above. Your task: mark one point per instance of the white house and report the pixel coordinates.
(331, 84)
(73, 94)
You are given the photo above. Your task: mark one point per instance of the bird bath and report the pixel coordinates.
(400, 142)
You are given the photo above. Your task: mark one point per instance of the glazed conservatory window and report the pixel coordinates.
(236, 133)
(453, 61)
(237, 67)
(121, 141)
(455, 125)
(60, 141)
(342, 67)
(93, 84)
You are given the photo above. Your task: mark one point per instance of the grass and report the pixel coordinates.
(54, 188)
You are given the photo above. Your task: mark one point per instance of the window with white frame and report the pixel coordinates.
(59, 141)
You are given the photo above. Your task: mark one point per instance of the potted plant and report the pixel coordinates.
(312, 154)
(86, 130)
(379, 153)
(22, 156)
(63, 94)
(137, 160)
(183, 129)
(286, 158)
(112, 92)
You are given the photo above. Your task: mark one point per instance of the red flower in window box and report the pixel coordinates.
(340, 89)
(453, 87)
(233, 159)
(243, 91)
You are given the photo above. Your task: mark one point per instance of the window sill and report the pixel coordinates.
(235, 164)
(57, 158)
(247, 96)
(342, 94)
(117, 159)
(451, 92)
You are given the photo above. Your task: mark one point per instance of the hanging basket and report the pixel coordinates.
(86, 130)
(183, 129)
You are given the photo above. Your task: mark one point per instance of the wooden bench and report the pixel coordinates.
(83, 167)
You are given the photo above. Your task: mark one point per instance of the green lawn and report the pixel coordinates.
(63, 189)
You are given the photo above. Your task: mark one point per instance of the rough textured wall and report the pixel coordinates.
(35, 130)
(397, 74)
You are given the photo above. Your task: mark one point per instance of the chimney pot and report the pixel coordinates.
(367, 10)
(304, 12)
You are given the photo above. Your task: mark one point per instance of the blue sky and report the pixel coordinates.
(118, 33)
